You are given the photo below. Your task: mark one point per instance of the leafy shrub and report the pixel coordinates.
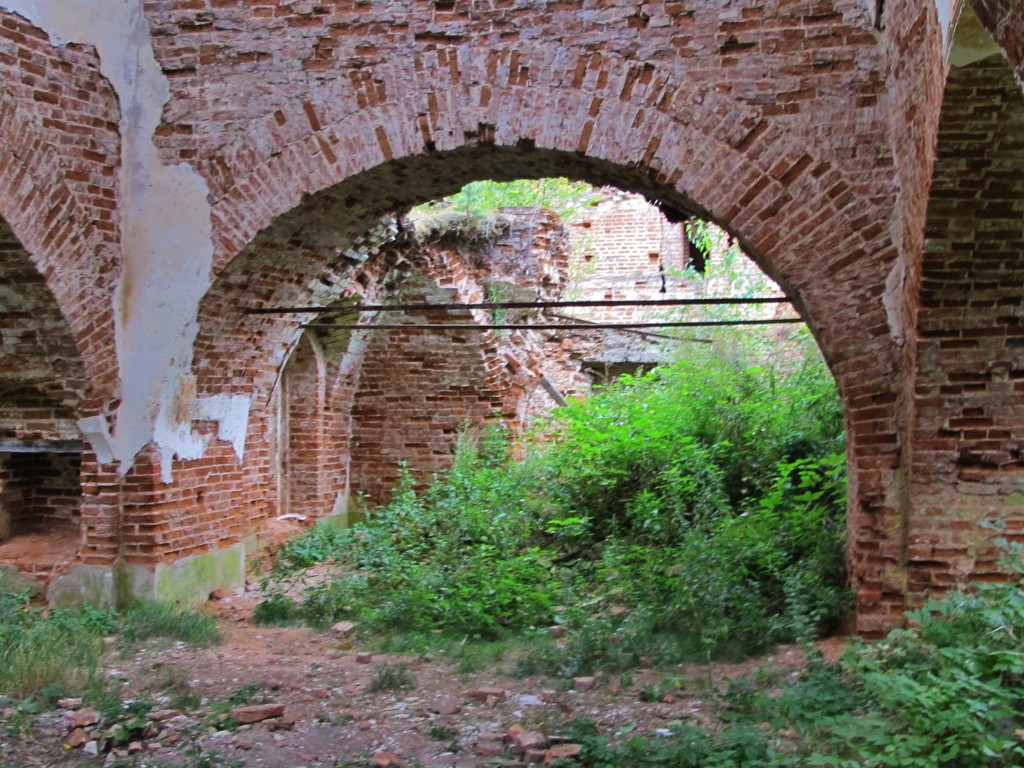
(315, 545)
(681, 496)
(945, 694)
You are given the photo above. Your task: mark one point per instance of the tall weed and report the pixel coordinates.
(703, 501)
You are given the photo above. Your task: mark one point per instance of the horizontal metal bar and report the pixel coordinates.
(548, 326)
(644, 334)
(356, 308)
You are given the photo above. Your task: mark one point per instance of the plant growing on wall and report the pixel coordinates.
(475, 211)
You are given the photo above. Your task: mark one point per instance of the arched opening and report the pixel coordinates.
(316, 253)
(301, 431)
(41, 447)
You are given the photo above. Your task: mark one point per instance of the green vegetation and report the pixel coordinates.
(47, 655)
(475, 211)
(392, 677)
(695, 512)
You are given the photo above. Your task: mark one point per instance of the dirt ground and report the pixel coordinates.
(332, 718)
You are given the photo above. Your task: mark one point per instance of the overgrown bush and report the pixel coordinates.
(692, 512)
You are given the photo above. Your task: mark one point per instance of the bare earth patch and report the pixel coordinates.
(211, 700)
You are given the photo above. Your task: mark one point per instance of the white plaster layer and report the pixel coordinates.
(895, 302)
(166, 241)
(96, 430)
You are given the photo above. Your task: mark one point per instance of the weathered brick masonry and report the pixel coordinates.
(807, 128)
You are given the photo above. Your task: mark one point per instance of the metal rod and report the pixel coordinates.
(355, 308)
(644, 334)
(550, 326)
(553, 392)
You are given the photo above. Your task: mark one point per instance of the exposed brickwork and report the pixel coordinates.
(877, 379)
(1004, 19)
(302, 419)
(40, 490)
(36, 347)
(968, 437)
(59, 150)
(797, 125)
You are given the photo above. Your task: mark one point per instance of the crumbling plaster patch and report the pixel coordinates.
(166, 244)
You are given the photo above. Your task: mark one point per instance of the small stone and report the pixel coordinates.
(487, 693)
(530, 740)
(69, 703)
(83, 717)
(242, 742)
(384, 760)
(158, 715)
(556, 630)
(446, 705)
(91, 748)
(76, 738)
(283, 723)
(364, 657)
(529, 700)
(489, 748)
(562, 752)
(343, 628)
(254, 713)
(583, 683)
(618, 611)
(534, 756)
(134, 747)
(225, 594)
(645, 662)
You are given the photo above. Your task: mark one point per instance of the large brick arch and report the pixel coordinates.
(59, 151)
(815, 214)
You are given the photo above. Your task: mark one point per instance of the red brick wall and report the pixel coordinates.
(1004, 19)
(416, 389)
(40, 491)
(796, 124)
(59, 155)
(36, 346)
(302, 430)
(624, 234)
(877, 378)
(968, 436)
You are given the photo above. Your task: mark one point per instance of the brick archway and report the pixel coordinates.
(293, 193)
(801, 126)
(845, 308)
(58, 163)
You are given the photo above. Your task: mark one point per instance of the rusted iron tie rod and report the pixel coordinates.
(516, 305)
(548, 326)
(644, 334)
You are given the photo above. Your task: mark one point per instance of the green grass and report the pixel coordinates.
(49, 654)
